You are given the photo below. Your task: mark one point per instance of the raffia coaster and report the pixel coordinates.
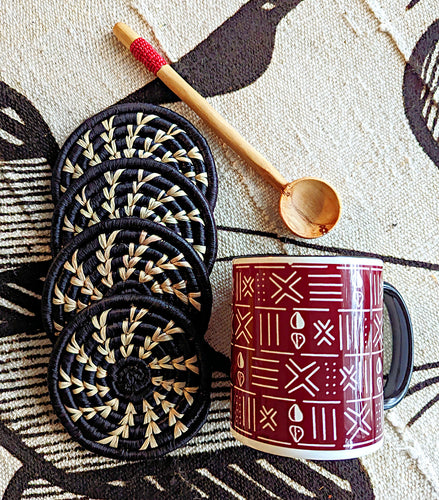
(128, 378)
(137, 130)
(140, 188)
(120, 256)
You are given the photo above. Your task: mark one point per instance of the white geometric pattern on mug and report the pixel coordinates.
(358, 296)
(379, 366)
(357, 280)
(349, 375)
(324, 422)
(358, 299)
(351, 331)
(247, 288)
(240, 360)
(378, 325)
(379, 412)
(375, 289)
(325, 292)
(248, 412)
(286, 289)
(378, 370)
(298, 373)
(269, 331)
(268, 418)
(298, 339)
(297, 322)
(296, 433)
(244, 286)
(266, 375)
(368, 377)
(379, 384)
(359, 423)
(324, 332)
(241, 378)
(237, 405)
(295, 413)
(242, 328)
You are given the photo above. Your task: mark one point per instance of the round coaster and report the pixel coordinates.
(137, 130)
(128, 378)
(120, 256)
(140, 188)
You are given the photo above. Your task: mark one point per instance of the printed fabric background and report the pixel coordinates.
(343, 90)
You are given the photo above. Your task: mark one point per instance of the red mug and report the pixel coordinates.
(307, 364)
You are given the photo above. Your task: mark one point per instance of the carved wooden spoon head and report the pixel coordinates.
(309, 207)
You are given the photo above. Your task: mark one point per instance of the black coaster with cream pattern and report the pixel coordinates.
(137, 130)
(128, 378)
(125, 255)
(140, 188)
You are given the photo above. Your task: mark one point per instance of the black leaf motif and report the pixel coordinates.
(420, 90)
(23, 131)
(419, 386)
(20, 298)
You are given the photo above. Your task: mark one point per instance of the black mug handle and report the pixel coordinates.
(401, 367)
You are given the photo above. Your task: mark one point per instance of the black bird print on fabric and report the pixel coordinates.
(426, 371)
(23, 132)
(233, 56)
(412, 4)
(20, 298)
(421, 92)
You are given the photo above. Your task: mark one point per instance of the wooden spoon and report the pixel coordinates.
(309, 207)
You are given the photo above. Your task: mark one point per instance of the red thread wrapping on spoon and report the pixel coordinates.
(146, 54)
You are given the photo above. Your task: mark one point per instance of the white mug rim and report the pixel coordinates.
(309, 259)
(307, 453)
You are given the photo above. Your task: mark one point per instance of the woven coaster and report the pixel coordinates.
(140, 188)
(128, 378)
(137, 130)
(121, 256)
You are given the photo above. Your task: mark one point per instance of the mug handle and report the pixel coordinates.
(401, 367)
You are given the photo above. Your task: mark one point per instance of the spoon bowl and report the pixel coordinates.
(309, 207)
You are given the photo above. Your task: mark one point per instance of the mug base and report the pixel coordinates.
(307, 453)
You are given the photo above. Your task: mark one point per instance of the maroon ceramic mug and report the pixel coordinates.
(307, 363)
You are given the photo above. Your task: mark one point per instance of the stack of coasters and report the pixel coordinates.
(127, 299)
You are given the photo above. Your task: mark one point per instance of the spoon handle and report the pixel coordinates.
(143, 51)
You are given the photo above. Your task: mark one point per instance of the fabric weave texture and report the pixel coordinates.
(346, 91)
